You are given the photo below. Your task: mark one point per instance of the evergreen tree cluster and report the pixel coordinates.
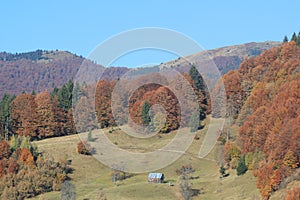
(295, 38)
(145, 113)
(33, 55)
(197, 116)
(56, 117)
(5, 117)
(65, 94)
(241, 168)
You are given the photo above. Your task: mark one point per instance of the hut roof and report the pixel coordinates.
(155, 175)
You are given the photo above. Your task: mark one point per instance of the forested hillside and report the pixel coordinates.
(38, 115)
(43, 70)
(264, 100)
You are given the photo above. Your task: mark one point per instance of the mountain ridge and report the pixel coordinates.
(42, 70)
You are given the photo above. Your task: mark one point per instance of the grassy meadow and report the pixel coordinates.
(90, 175)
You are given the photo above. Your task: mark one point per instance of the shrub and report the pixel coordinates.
(223, 141)
(232, 151)
(83, 147)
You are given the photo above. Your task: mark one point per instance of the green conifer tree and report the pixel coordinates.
(194, 122)
(145, 113)
(197, 78)
(241, 168)
(294, 37)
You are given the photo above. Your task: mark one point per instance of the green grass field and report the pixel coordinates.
(90, 175)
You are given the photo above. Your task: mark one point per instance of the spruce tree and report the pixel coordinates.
(285, 39)
(145, 113)
(77, 93)
(241, 168)
(90, 138)
(294, 37)
(197, 78)
(222, 171)
(65, 95)
(5, 113)
(194, 122)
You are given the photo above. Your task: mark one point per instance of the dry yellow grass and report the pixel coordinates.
(90, 175)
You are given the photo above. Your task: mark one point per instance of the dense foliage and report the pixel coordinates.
(40, 116)
(26, 173)
(143, 98)
(264, 99)
(84, 147)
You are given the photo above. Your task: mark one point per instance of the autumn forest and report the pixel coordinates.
(263, 102)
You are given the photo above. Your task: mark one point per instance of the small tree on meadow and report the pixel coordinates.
(83, 147)
(194, 123)
(68, 191)
(90, 138)
(185, 187)
(222, 171)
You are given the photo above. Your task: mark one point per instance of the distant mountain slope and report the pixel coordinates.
(44, 70)
(225, 58)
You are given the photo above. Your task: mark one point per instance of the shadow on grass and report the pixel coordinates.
(195, 192)
(194, 177)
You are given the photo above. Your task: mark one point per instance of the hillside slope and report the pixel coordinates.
(90, 175)
(264, 100)
(225, 58)
(44, 70)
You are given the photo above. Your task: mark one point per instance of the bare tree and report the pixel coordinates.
(185, 187)
(118, 173)
(68, 191)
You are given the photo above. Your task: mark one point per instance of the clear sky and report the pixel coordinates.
(78, 26)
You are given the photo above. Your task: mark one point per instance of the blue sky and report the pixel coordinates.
(79, 26)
